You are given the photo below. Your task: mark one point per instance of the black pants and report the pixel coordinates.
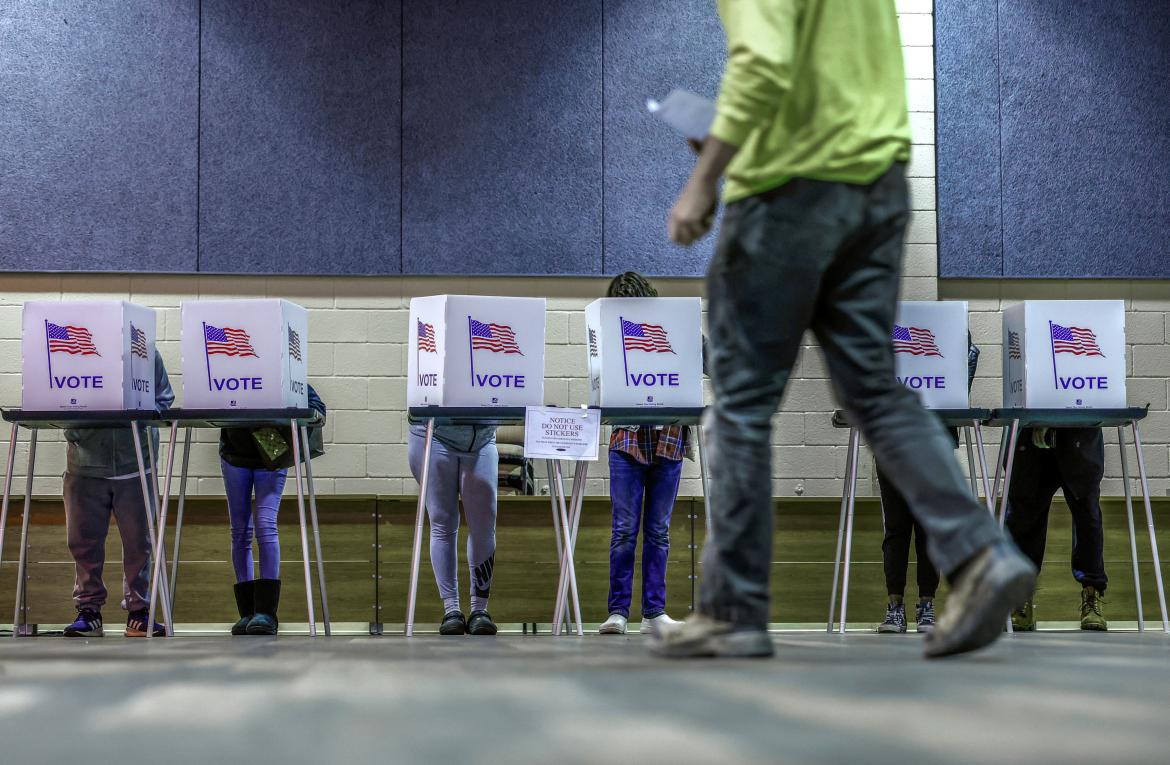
(826, 257)
(898, 525)
(1075, 464)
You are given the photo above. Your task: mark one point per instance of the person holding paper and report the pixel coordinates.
(254, 463)
(464, 464)
(812, 135)
(645, 466)
(101, 479)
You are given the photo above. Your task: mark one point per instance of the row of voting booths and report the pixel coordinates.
(481, 360)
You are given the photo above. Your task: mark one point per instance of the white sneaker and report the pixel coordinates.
(614, 625)
(654, 625)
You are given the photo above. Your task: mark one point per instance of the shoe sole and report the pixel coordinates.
(925, 629)
(733, 645)
(611, 631)
(882, 630)
(99, 632)
(983, 623)
(1095, 628)
(483, 632)
(141, 633)
(451, 632)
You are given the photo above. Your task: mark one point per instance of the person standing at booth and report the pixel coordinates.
(812, 133)
(101, 479)
(1073, 460)
(254, 463)
(645, 467)
(464, 464)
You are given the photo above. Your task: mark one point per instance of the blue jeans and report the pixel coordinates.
(259, 518)
(645, 494)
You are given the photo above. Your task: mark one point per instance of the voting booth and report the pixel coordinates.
(1060, 354)
(245, 354)
(645, 352)
(96, 355)
(930, 351)
(468, 351)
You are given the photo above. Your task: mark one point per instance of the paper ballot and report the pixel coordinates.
(686, 112)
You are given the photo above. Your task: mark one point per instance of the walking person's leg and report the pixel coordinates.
(662, 482)
(88, 504)
(627, 488)
(1080, 454)
(479, 476)
(897, 527)
(130, 513)
(268, 485)
(442, 505)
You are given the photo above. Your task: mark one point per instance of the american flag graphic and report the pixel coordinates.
(426, 338)
(70, 339)
(592, 343)
(497, 338)
(1013, 345)
(137, 342)
(915, 340)
(226, 341)
(645, 337)
(1075, 340)
(294, 344)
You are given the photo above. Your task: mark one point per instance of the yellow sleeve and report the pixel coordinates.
(761, 41)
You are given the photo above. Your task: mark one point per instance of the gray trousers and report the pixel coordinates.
(826, 257)
(89, 503)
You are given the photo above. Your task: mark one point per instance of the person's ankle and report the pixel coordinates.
(896, 599)
(924, 599)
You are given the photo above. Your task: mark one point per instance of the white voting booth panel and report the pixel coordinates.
(476, 351)
(93, 355)
(930, 352)
(245, 354)
(645, 351)
(1061, 354)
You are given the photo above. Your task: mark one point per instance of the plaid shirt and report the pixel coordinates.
(645, 443)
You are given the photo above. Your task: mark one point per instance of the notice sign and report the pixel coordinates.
(552, 433)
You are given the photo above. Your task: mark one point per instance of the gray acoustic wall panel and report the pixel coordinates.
(1086, 138)
(300, 142)
(967, 136)
(97, 135)
(502, 154)
(651, 47)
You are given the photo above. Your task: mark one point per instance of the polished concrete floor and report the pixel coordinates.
(1044, 697)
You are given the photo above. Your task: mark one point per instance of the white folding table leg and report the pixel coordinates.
(159, 543)
(296, 444)
(1133, 551)
(416, 553)
(1008, 448)
(841, 531)
(1141, 460)
(556, 493)
(1000, 460)
(149, 499)
(18, 618)
(854, 457)
(971, 464)
(179, 514)
(304, 436)
(10, 465)
(567, 563)
(576, 500)
(701, 440)
(988, 491)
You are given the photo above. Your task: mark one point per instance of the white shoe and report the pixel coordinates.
(653, 626)
(614, 625)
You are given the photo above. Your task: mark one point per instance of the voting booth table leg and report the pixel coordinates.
(8, 470)
(179, 513)
(701, 440)
(159, 543)
(1141, 461)
(1133, 551)
(149, 499)
(971, 463)
(567, 581)
(853, 437)
(304, 530)
(554, 491)
(304, 436)
(854, 458)
(416, 555)
(988, 492)
(1008, 449)
(21, 610)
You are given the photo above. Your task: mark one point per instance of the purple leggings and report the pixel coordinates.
(258, 518)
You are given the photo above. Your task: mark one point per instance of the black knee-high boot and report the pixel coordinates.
(244, 604)
(266, 601)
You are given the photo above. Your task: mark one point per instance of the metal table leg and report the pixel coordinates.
(971, 463)
(148, 501)
(1008, 447)
(1133, 551)
(159, 543)
(700, 439)
(304, 435)
(179, 514)
(853, 436)
(854, 457)
(576, 501)
(416, 555)
(567, 563)
(304, 530)
(988, 492)
(1141, 460)
(10, 465)
(21, 610)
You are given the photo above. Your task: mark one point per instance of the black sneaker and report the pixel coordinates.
(480, 623)
(453, 624)
(87, 624)
(924, 616)
(895, 622)
(136, 625)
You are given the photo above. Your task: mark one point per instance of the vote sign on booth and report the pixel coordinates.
(475, 351)
(930, 352)
(245, 354)
(1061, 354)
(96, 355)
(645, 351)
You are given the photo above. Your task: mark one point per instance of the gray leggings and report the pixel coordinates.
(474, 475)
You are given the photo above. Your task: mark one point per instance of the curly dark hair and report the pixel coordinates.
(631, 284)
